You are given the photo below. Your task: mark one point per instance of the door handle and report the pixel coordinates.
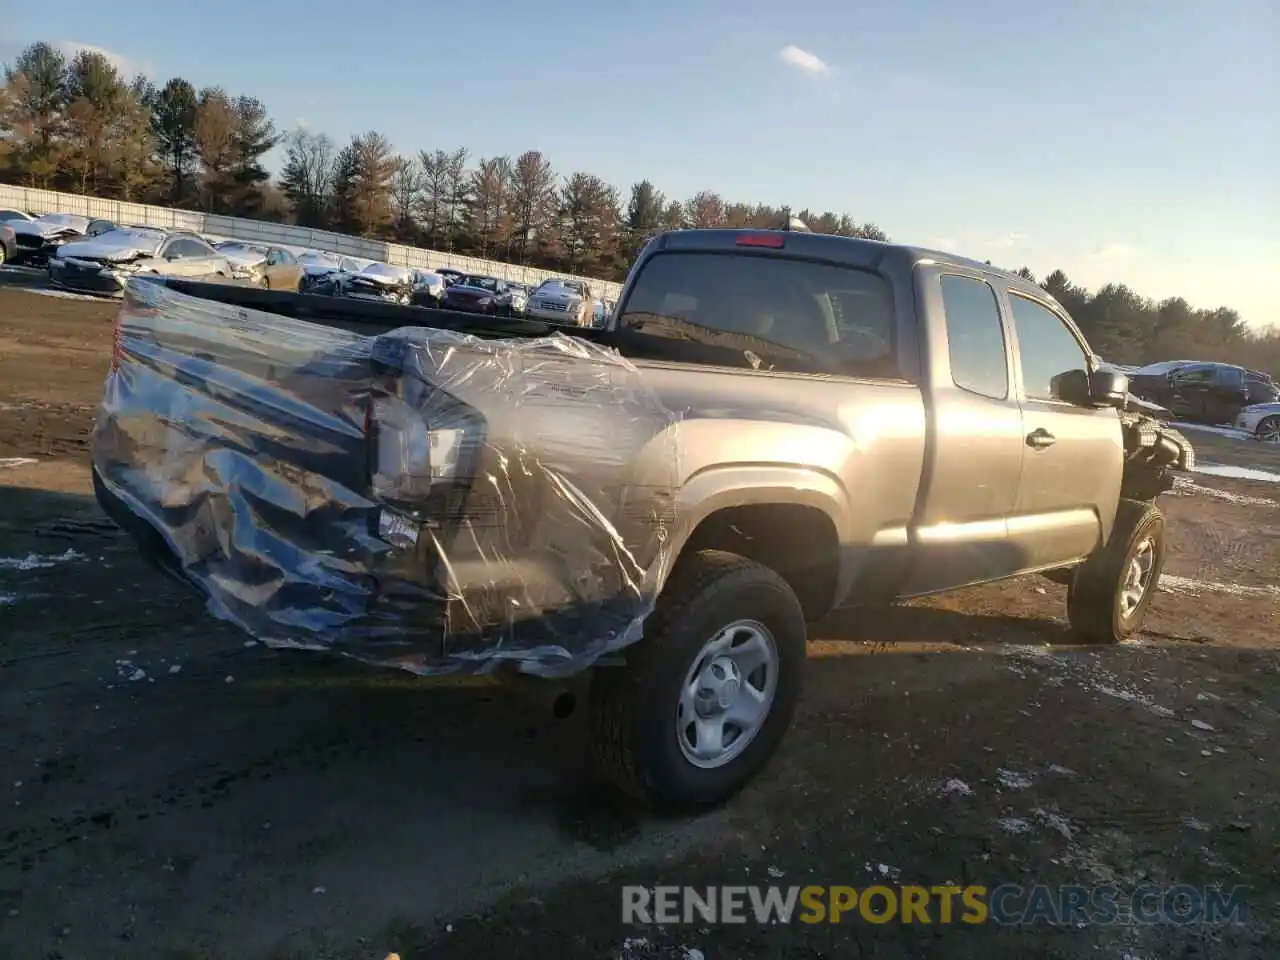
(1041, 438)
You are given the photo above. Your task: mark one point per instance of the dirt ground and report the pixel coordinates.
(174, 791)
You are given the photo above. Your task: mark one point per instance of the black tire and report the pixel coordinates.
(633, 708)
(1264, 425)
(1095, 595)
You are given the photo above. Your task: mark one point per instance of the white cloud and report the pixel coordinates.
(942, 243)
(1005, 241)
(127, 66)
(303, 123)
(1113, 251)
(803, 60)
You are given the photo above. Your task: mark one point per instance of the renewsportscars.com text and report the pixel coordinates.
(1008, 904)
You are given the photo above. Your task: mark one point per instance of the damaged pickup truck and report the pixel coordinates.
(774, 424)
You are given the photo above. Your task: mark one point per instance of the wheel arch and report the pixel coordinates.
(788, 520)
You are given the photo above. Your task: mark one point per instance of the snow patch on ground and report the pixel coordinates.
(39, 561)
(1231, 432)
(1012, 780)
(1014, 825)
(1189, 488)
(1196, 587)
(1085, 671)
(1236, 473)
(9, 462)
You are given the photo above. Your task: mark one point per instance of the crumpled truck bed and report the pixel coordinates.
(421, 499)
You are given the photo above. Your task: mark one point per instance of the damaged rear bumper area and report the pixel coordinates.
(420, 499)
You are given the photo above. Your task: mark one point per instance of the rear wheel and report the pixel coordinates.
(1268, 430)
(1108, 598)
(706, 697)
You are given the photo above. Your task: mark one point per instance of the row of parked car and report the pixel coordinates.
(99, 256)
(559, 300)
(1210, 392)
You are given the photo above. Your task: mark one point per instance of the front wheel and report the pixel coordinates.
(1111, 592)
(706, 697)
(1268, 430)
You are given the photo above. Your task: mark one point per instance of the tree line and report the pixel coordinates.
(77, 124)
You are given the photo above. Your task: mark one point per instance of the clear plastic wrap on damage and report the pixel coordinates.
(421, 499)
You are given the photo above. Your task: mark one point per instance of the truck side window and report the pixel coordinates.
(1046, 348)
(761, 313)
(975, 337)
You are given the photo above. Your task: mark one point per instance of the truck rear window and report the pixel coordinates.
(760, 312)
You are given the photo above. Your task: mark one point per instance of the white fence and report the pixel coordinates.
(141, 214)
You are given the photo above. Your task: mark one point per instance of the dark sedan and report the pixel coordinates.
(476, 294)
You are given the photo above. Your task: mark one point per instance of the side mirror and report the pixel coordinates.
(1102, 388)
(1108, 388)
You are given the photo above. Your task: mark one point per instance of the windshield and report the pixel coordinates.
(484, 283)
(134, 236)
(571, 287)
(65, 220)
(314, 259)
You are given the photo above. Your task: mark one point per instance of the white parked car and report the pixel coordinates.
(428, 289)
(1262, 420)
(519, 298)
(104, 264)
(562, 301)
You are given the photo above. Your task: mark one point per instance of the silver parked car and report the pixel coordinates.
(1262, 420)
(562, 301)
(104, 264)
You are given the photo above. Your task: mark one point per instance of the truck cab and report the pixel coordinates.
(929, 406)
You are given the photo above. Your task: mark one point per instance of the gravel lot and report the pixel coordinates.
(176, 792)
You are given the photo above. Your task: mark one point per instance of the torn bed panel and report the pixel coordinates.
(422, 499)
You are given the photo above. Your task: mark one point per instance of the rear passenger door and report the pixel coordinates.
(971, 484)
(1074, 457)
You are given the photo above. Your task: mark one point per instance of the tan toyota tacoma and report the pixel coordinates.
(773, 425)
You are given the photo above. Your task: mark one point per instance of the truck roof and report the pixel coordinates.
(853, 251)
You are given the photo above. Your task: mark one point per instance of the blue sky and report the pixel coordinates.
(1128, 140)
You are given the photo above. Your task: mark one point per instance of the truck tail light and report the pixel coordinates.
(409, 457)
(774, 241)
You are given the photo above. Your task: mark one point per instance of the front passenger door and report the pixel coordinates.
(1074, 459)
